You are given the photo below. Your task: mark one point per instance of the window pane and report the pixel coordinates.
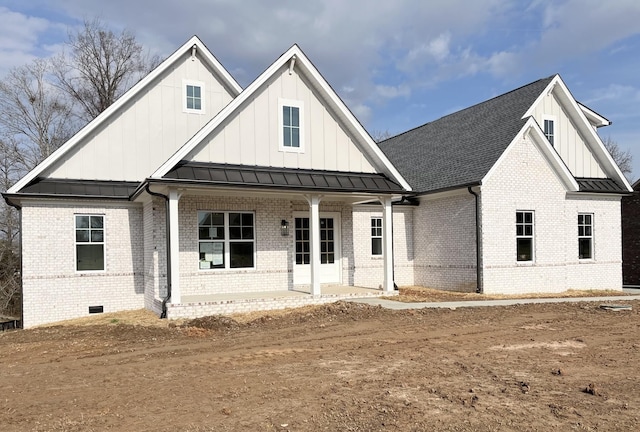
(587, 219)
(96, 221)
(247, 219)
(247, 233)
(89, 257)
(519, 217)
(241, 254)
(97, 236)
(235, 219)
(235, 233)
(295, 116)
(528, 230)
(376, 246)
(211, 255)
(286, 116)
(190, 103)
(204, 218)
(524, 252)
(190, 91)
(584, 248)
(217, 219)
(82, 235)
(287, 136)
(197, 104)
(196, 91)
(295, 137)
(82, 221)
(528, 217)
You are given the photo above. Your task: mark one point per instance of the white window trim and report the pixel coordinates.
(532, 237)
(555, 128)
(104, 243)
(227, 240)
(592, 237)
(381, 237)
(200, 84)
(291, 103)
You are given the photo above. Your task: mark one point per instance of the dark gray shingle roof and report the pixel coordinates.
(459, 149)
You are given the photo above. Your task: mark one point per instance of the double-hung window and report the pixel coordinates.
(524, 236)
(226, 240)
(89, 242)
(291, 126)
(585, 236)
(376, 236)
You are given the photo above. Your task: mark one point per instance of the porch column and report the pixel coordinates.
(314, 228)
(174, 250)
(387, 243)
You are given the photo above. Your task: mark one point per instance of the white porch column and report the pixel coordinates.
(174, 238)
(387, 243)
(314, 228)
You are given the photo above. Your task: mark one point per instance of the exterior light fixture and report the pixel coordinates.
(284, 228)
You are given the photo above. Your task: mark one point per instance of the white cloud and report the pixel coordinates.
(18, 38)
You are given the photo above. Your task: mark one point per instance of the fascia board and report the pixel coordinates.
(593, 117)
(307, 68)
(532, 130)
(122, 101)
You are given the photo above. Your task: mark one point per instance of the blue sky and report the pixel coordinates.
(396, 64)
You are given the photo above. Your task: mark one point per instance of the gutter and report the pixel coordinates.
(478, 255)
(168, 246)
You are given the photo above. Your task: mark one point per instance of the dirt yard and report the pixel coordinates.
(340, 367)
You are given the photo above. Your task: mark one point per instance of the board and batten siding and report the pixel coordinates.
(251, 135)
(569, 144)
(134, 142)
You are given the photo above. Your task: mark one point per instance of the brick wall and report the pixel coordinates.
(52, 289)
(525, 181)
(445, 242)
(631, 237)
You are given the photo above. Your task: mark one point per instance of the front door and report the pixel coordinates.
(329, 249)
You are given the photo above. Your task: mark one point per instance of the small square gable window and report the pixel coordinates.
(193, 97)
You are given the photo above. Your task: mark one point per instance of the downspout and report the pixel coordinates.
(168, 240)
(478, 255)
(19, 208)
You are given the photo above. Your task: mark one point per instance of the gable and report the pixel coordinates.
(148, 129)
(568, 142)
(252, 135)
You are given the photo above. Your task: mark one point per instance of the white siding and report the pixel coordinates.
(251, 136)
(147, 131)
(569, 144)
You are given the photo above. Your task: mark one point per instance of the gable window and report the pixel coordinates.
(376, 236)
(291, 126)
(524, 236)
(585, 236)
(193, 97)
(226, 240)
(89, 242)
(549, 130)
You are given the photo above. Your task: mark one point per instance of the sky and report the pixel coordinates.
(396, 64)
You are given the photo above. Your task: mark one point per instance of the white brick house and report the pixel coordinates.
(191, 196)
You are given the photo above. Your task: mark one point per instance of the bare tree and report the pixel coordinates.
(379, 136)
(98, 66)
(623, 158)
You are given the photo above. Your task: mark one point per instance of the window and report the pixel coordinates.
(89, 242)
(548, 130)
(524, 235)
(193, 97)
(376, 236)
(585, 236)
(291, 130)
(226, 240)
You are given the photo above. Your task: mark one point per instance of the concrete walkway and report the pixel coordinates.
(396, 305)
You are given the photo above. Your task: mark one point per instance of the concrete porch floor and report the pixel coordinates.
(336, 291)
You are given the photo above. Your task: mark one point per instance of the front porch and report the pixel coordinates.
(223, 304)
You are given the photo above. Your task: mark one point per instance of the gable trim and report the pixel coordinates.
(306, 67)
(532, 130)
(229, 81)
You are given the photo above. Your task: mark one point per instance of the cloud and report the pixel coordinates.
(18, 38)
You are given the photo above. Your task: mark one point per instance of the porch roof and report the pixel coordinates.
(603, 185)
(281, 178)
(77, 188)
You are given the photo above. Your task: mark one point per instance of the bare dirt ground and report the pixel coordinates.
(339, 367)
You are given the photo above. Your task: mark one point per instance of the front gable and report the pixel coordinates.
(253, 134)
(143, 128)
(574, 136)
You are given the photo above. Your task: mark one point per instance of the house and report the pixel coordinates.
(631, 237)
(192, 196)
(516, 194)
